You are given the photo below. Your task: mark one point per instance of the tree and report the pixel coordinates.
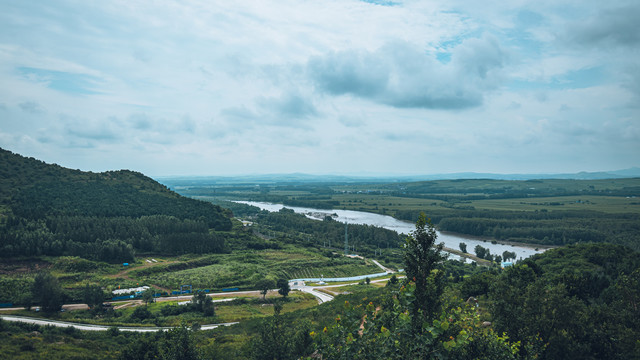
(487, 255)
(147, 296)
(506, 255)
(272, 342)
(47, 292)
(277, 339)
(178, 344)
(480, 251)
(141, 313)
(393, 280)
(203, 303)
(93, 296)
(143, 348)
(283, 287)
(264, 286)
(463, 247)
(422, 259)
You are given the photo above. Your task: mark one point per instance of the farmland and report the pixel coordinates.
(548, 212)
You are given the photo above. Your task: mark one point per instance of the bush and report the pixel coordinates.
(141, 313)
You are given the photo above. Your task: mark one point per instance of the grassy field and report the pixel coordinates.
(550, 212)
(606, 204)
(386, 204)
(244, 307)
(244, 269)
(230, 312)
(216, 271)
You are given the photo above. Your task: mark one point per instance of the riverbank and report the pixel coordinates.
(532, 246)
(478, 260)
(450, 240)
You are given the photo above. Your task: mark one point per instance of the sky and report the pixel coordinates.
(322, 87)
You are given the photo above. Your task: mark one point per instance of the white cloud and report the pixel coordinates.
(344, 86)
(400, 75)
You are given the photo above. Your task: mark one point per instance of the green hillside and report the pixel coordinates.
(51, 210)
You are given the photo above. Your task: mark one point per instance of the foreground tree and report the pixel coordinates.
(278, 340)
(175, 344)
(423, 258)
(178, 344)
(411, 321)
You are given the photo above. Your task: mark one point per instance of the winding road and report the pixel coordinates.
(90, 327)
(297, 284)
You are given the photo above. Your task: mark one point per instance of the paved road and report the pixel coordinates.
(90, 327)
(322, 297)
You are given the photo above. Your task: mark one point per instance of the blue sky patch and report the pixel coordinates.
(381, 2)
(578, 79)
(71, 83)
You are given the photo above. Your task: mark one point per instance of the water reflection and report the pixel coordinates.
(400, 226)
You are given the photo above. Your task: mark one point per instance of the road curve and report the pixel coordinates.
(322, 297)
(91, 327)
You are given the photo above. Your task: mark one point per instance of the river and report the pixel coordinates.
(399, 226)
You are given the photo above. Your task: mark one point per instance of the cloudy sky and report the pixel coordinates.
(342, 87)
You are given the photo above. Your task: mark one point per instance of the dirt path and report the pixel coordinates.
(124, 273)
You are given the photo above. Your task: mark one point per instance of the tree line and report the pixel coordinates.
(369, 237)
(111, 239)
(538, 227)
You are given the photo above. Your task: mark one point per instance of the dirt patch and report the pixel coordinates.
(18, 267)
(124, 274)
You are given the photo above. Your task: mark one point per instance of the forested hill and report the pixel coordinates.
(18, 172)
(48, 209)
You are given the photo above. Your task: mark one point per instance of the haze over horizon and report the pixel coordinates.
(345, 87)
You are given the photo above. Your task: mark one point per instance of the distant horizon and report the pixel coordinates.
(386, 175)
(635, 170)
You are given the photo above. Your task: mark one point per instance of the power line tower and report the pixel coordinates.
(346, 240)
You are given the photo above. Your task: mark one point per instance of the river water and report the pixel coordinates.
(399, 226)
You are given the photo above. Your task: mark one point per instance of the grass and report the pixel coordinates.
(215, 271)
(243, 309)
(244, 269)
(230, 312)
(607, 204)
(388, 205)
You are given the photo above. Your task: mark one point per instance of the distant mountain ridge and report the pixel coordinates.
(302, 178)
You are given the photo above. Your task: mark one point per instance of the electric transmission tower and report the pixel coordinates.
(346, 240)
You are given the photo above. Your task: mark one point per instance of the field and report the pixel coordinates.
(243, 269)
(551, 212)
(389, 205)
(240, 269)
(244, 307)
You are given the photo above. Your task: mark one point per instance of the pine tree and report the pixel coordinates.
(423, 258)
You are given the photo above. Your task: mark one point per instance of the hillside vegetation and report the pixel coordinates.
(50, 210)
